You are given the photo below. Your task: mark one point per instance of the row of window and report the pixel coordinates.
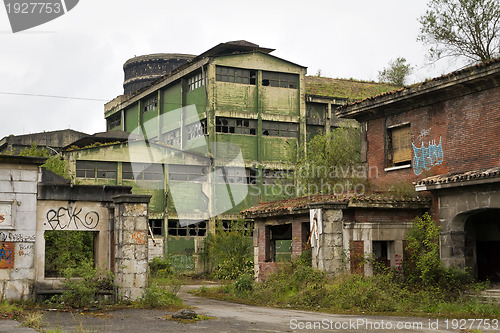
(195, 229)
(177, 172)
(249, 126)
(247, 76)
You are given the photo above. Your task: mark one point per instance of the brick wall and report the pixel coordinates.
(468, 127)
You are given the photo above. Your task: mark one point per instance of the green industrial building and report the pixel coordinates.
(210, 137)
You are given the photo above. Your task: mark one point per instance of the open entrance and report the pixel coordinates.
(68, 250)
(482, 244)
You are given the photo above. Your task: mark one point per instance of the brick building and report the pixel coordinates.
(443, 135)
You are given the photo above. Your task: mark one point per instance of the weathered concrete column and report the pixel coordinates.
(131, 245)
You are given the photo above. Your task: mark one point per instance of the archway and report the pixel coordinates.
(482, 244)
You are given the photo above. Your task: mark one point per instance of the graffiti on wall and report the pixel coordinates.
(426, 157)
(64, 217)
(13, 237)
(6, 255)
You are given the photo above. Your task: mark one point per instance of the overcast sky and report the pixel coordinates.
(81, 53)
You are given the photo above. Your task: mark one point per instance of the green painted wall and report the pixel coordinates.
(275, 149)
(234, 96)
(282, 101)
(222, 199)
(131, 118)
(247, 144)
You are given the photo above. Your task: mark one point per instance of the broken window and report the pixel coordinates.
(192, 229)
(94, 169)
(195, 81)
(150, 104)
(173, 137)
(114, 120)
(156, 226)
(236, 125)
(283, 80)
(235, 75)
(182, 172)
(197, 129)
(280, 242)
(399, 146)
(273, 177)
(275, 128)
(235, 175)
(142, 171)
(67, 249)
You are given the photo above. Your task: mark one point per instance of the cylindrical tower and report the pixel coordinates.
(143, 70)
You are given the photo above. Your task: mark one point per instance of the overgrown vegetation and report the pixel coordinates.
(54, 163)
(67, 250)
(330, 164)
(424, 286)
(83, 284)
(229, 253)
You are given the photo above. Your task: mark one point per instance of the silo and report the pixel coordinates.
(141, 71)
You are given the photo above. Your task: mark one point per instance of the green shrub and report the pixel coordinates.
(82, 291)
(425, 267)
(229, 252)
(158, 297)
(244, 284)
(160, 267)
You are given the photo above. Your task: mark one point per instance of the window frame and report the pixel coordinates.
(396, 133)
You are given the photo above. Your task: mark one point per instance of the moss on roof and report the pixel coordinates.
(343, 88)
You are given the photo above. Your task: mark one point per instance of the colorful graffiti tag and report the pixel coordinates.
(427, 157)
(6, 255)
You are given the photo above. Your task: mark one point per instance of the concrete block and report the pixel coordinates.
(29, 175)
(25, 187)
(141, 280)
(6, 186)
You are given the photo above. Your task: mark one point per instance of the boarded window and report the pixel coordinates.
(399, 147)
(356, 256)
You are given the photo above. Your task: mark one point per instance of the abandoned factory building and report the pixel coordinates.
(208, 138)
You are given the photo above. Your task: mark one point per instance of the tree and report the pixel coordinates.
(396, 73)
(331, 164)
(467, 29)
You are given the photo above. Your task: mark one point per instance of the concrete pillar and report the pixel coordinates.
(131, 245)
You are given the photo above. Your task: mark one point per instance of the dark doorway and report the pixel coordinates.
(482, 244)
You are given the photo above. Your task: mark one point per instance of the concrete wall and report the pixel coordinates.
(18, 188)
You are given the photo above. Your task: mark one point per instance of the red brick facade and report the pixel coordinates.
(467, 126)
